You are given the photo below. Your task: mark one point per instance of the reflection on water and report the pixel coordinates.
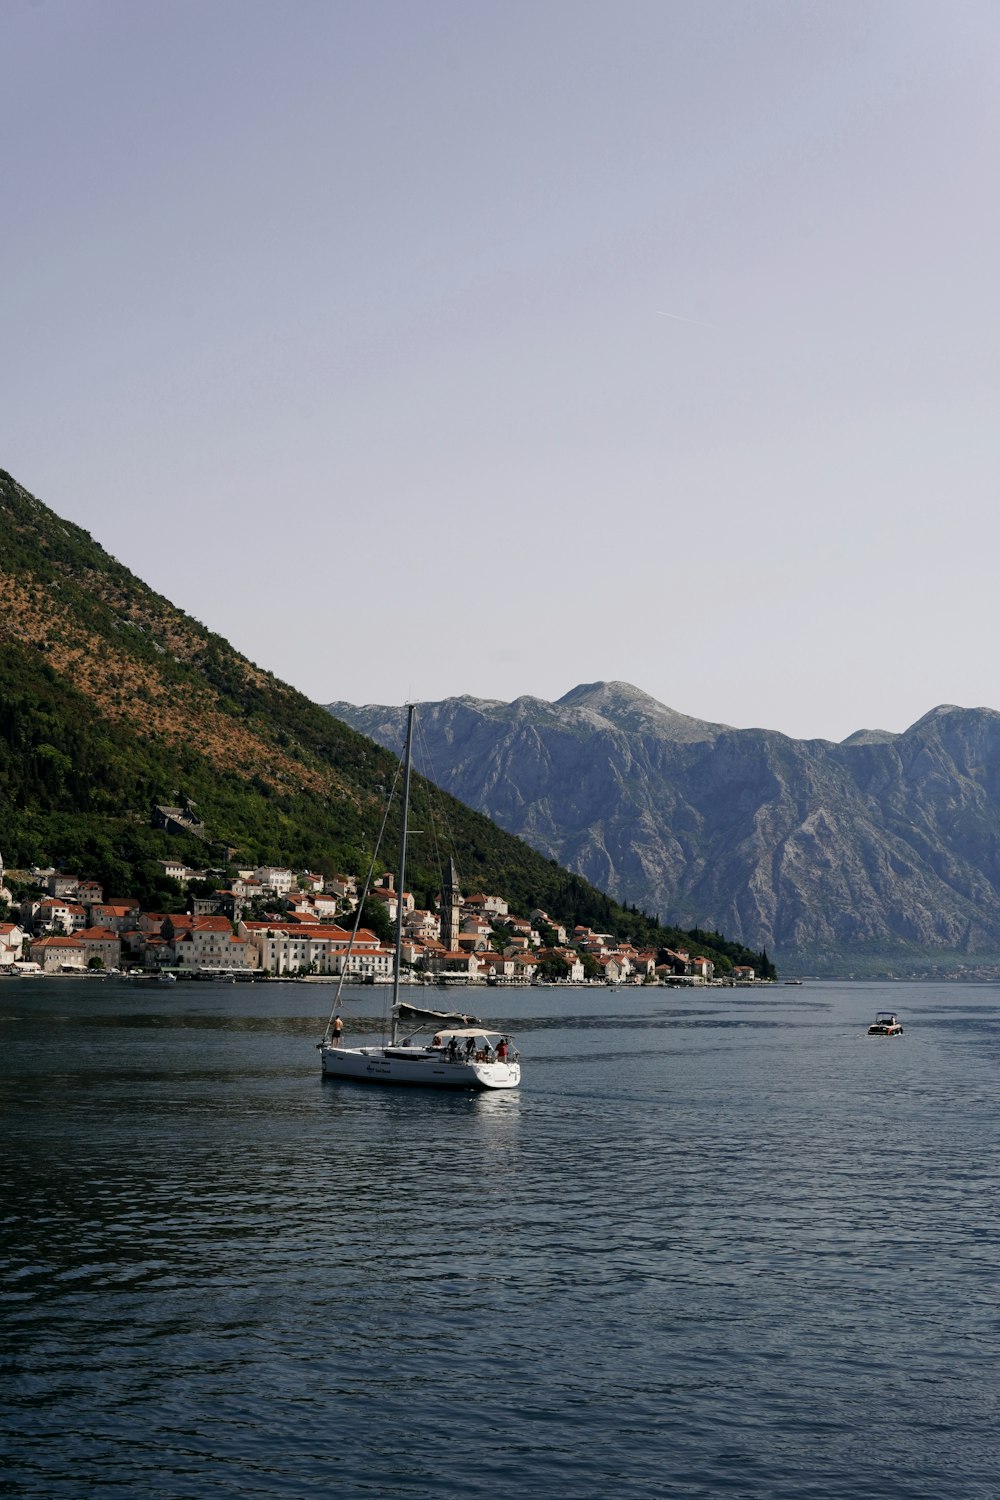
(692, 1255)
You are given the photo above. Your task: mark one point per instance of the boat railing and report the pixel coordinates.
(480, 1055)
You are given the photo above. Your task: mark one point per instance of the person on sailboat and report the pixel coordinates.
(338, 1032)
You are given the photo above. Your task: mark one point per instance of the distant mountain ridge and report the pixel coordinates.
(882, 844)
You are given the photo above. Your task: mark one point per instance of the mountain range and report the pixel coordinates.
(880, 851)
(113, 702)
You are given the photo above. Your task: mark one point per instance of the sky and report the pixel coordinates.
(493, 347)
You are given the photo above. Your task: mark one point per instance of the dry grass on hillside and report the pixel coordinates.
(128, 690)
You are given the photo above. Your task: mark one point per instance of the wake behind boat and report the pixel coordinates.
(461, 1054)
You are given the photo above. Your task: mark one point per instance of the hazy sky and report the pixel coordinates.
(431, 348)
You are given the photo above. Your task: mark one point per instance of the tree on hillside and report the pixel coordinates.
(376, 918)
(499, 937)
(766, 969)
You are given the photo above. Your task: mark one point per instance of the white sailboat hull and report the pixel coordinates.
(419, 1066)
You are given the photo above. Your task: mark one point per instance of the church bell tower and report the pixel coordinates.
(451, 901)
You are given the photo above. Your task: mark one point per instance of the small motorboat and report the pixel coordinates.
(886, 1023)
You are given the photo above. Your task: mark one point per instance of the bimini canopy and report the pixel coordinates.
(467, 1031)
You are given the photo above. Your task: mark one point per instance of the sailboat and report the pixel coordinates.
(461, 1053)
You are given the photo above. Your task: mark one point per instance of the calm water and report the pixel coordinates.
(717, 1245)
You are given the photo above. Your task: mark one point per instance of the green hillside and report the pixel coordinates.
(113, 701)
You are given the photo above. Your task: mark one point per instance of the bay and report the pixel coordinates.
(719, 1243)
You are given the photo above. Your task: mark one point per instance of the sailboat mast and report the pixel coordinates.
(401, 868)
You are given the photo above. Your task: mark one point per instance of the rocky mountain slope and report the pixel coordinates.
(885, 845)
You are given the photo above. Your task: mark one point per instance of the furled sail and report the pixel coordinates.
(435, 1017)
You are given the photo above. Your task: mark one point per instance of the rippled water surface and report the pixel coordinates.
(717, 1244)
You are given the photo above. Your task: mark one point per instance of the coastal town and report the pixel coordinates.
(270, 922)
